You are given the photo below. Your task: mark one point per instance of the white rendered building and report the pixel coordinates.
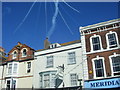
(63, 61)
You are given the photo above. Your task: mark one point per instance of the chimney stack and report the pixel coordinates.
(46, 43)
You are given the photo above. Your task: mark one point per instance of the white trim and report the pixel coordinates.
(50, 58)
(13, 74)
(50, 78)
(97, 58)
(28, 68)
(111, 32)
(100, 24)
(103, 50)
(11, 81)
(106, 29)
(91, 44)
(22, 52)
(13, 54)
(74, 61)
(74, 79)
(110, 58)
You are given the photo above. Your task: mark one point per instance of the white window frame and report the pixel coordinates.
(46, 80)
(8, 70)
(94, 71)
(13, 57)
(12, 69)
(51, 84)
(29, 68)
(110, 58)
(111, 32)
(91, 44)
(11, 81)
(48, 60)
(74, 79)
(22, 52)
(74, 57)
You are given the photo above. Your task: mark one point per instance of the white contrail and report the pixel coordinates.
(70, 6)
(65, 22)
(46, 16)
(53, 19)
(25, 16)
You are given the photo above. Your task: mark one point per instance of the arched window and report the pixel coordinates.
(14, 54)
(24, 53)
(115, 64)
(96, 43)
(112, 39)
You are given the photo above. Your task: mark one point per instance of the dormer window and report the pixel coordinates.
(14, 54)
(112, 39)
(24, 52)
(55, 45)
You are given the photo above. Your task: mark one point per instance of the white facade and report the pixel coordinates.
(48, 60)
(18, 74)
(1, 75)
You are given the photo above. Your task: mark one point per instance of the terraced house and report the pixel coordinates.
(2, 66)
(59, 66)
(101, 44)
(18, 69)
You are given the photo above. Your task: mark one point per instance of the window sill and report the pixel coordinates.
(71, 63)
(49, 66)
(102, 50)
(24, 56)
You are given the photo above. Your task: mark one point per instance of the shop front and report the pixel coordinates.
(106, 83)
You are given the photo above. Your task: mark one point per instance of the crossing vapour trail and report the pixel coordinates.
(70, 6)
(25, 16)
(53, 19)
(65, 22)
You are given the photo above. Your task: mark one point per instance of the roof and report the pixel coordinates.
(71, 42)
(21, 45)
(100, 24)
(64, 44)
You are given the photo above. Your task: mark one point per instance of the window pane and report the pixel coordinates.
(50, 61)
(96, 43)
(116, 64)
(99, 68)
(96, 40)
(52, 80)
(15, 68)
(24, 52)
(28, 67)
(8, 84)
(73, 78)
(71, 58)
(46, 80)
(9, 69)
(15, 54)
(112, 39)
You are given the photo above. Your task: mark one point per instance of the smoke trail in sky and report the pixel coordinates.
(25, 16)
(53, 19)
(70, 6)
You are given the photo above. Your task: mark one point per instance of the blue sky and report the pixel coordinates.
(36, 26)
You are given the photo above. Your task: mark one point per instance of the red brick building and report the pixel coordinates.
(101, 45)
(18, 67)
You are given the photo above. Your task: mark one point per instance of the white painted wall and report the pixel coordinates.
(24, 79)
(60, 58)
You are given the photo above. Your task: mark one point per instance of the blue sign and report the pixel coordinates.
(105, 83)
